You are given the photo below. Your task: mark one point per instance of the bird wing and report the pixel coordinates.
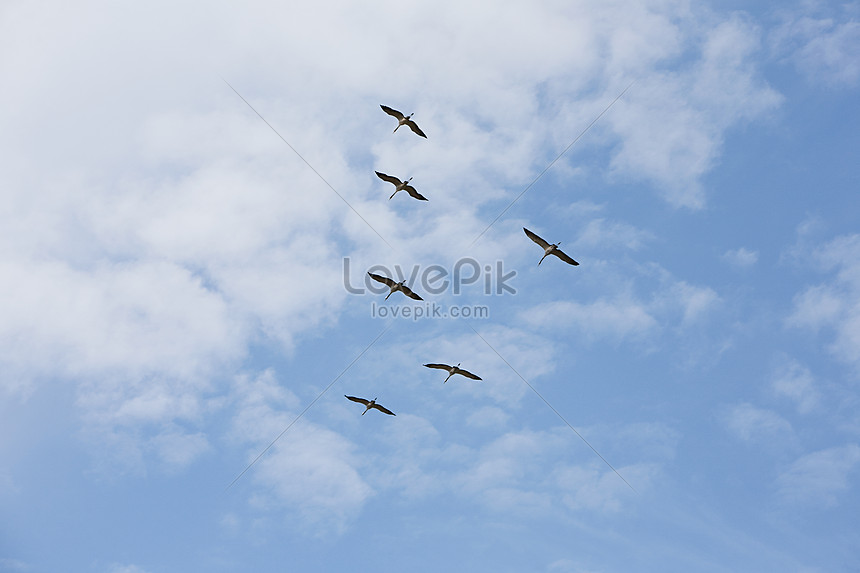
(408, 292)
(411, 190)
(535, 238)
(391, 111)
(467, 374)
(438, 366)
(414, 127)
(383, 280)
(359, 400)
(384, 410)
(563, 256)
(389, 178)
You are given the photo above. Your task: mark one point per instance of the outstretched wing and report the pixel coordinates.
(414, 127)
(359, 400)
(438, 366)
(391, 111)
(564, 257)
(535, 238)
(389, 178)
(408, 292)
(411, 190)
(384, 410)
(467, 374)
(383, 280)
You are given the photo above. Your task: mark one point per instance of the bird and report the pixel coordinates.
(401, 286)
(401, 186)
(453, 370)
(370, 404)
(403, 120)
(550, 249)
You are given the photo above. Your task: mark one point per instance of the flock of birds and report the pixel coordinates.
(394, 286)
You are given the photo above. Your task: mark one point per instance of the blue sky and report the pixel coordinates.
(172, 287)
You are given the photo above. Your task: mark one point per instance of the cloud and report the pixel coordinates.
(672, 124)
(627, 315)
(750, 423)
(162, 230)
(602, 233)
(568, 566)
(488, 417)
(527, 472)
(117, 568)
(616, 320)
(137, 318)
(796, 382)
(593, 489)
(822, 45)
(834, 306)
(741, 257)
(14, 565)
(819, 477)
(312, 471)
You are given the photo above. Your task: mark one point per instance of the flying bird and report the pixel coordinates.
(370, 404)
(403, 120)
(401, 186)
(453, 370)
(401, 286)
(549, 249)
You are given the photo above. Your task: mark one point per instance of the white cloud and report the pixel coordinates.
(117, 568)
(510, 474)
(14, 565)
(593, 488)
(603, 233)
(696, 301)
(178, 449)
(795, 381)
(750, 423)
(568, 566)
(488, 417)
(834, 305)
(823, 46)
(622, 315)
(161, 229)
(311, 471)
(741, 257)
(617, 320)
(673, 123)
(818, 478)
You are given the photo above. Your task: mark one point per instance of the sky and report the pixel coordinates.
(188, 210)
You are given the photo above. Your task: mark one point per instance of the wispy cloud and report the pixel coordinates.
(834, 305)
(313, 472)
(741, 257)
(691, 110)
(750, 423)
(14, 565)
(794, 381)
(822, 40)
(820, 477)
(117, 568)
(613, 319)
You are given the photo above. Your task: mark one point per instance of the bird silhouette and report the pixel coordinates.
(403, 120)
(549, 249)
